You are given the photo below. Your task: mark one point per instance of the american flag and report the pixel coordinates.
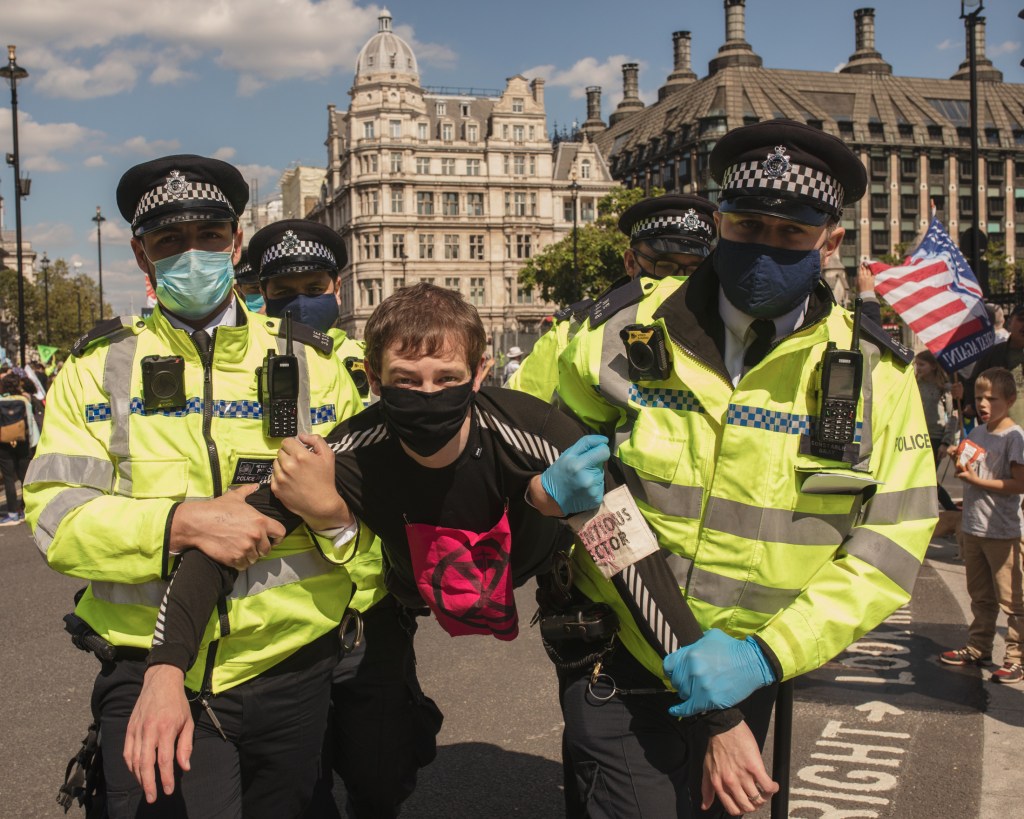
(937, 295)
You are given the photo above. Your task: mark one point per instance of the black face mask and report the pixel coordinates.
(426, 421)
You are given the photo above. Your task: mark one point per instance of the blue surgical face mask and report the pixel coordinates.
(254, 301)
(193, 284)
(319, 312)
(764, 281)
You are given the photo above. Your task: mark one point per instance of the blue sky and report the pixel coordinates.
(116, 82)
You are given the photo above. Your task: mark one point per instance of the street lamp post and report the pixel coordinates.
(78, 293)
(45, 262)
(99, 219)
(969, 11)
(574, 188)
(14, 72)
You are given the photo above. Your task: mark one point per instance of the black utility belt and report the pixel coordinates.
(590, 622)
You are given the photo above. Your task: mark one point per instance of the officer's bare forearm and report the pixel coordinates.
(540, 500)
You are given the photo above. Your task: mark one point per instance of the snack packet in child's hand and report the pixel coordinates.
(967, 453)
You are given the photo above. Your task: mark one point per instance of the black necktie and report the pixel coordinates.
(764, 334)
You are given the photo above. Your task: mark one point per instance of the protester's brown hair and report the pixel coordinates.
(1001, 380)
(424, 319)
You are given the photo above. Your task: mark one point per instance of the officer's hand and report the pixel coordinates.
(716, 672)
(734, 772)
(226, 529)
(575, 481)
(303, 481)
(160, 719)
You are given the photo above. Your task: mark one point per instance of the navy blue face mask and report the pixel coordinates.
(764, 281)
(319, 312)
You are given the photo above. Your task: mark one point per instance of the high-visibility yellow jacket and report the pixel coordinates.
(367, 568)
(766, 537)
(108, 474)
(538, 374)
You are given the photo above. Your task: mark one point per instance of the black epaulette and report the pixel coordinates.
(883, 338)
(578, 310)
(617, 299)
(108, 328)
(304, 334)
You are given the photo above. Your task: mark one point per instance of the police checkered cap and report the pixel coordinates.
(753, 179)
(787, 169)
(296, 246)
(663, 225)
(181, 188)
(297, 249)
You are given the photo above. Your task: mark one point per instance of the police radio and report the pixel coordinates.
(646, 352)
(841, 374)
(279, 389)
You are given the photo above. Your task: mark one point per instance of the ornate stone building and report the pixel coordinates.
(457, 187)
(912, 134)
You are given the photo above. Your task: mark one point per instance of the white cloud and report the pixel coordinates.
(38, 142)
(589, 71)
(85, 50)
(267, 176)
(224, 153)
(149, 147)
(96, 161)
(114, 230)
(945, 45)
(1007, 47)
(50, 234)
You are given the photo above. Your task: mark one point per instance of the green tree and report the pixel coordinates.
(599, 249)
(1000, 270)
(66, 293)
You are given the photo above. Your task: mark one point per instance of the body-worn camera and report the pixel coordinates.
(646, 352)
(357, 370)
(279, 389)
(163, 382)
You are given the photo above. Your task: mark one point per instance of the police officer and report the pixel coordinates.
(148, 426)
(247, 284)
(297, 265)
(381, 727)
(787, 543)
(669, 235)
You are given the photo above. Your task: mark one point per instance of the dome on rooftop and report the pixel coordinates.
(386, 52)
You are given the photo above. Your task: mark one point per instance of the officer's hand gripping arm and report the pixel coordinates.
(575, 481)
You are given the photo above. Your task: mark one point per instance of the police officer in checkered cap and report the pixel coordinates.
(247, 283)
(737, 351)
(297, 262)
(183, 383)
(668, 235)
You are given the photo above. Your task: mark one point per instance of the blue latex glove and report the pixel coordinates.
(716, 672)
(575, 481)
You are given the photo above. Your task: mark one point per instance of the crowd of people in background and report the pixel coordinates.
(22, 404)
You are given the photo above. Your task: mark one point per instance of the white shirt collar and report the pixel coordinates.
(228, 316)
(739, 322)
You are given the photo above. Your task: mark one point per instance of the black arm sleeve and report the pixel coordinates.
(264, 501)
(195, 587)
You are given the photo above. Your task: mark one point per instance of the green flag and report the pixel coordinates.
(45, 352)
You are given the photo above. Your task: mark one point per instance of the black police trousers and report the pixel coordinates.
(627, 757)
(265, 770)
(382, 728)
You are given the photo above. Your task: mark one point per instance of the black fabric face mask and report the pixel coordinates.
(426, 421)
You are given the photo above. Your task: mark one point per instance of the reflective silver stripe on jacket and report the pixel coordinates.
(726, 592)
(776, 525)
(895, 507)
(268, 573)
(666, 497)
(299, 350)
(83, 470)
(57, 509)
(648, 607)
(888, 557)
(117, 384)
(613, 374)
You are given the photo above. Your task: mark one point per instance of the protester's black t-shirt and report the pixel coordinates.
(514, 437)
